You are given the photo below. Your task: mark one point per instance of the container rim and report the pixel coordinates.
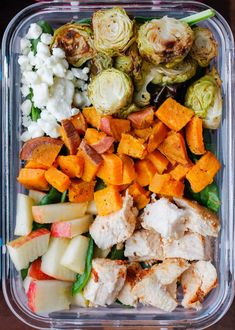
(45, 323)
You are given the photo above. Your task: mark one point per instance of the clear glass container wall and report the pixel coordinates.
(219, 300)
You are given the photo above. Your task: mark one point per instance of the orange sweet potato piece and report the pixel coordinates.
(203, 172)
(173, 114)
(34, 164)
(194, 136)
(108, 200)
(129, 173)
(57, 179)
(159, 161)
(43, 150)
(118, 127)
(92, 116)
(142, 119)
(105, 125)
(104, 145)
(93, 136)
(145, 171)
(179, 171)
(71, 165)
(140, 195)
(164, 184)
(33, 179)
(81, 191)
(143, 133)
(132, 146)
(157, 136)
(70, 136)
(90, 168)
(111, 170)
(173, 147)
(91, 153)
(79, 123)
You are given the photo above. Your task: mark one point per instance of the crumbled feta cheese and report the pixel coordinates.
(51, 128)
(25, 46)
(74, 111)
(25, 90)
(78, 99)
(24, 63)
(43, 51)
(40, 95)
(32, 58)
(35, 130)
(69, 75)
(31, 77)
(26, 121)
(58, 52)
(26, 107)
(59, 70)
(25, 136)
(46, 38)
(46, 75)
(34, 31)
(79, 73)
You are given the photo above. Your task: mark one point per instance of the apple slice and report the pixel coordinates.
(74, 257)
(51, 260)
(79, 300)
(91, 208)
(48, 296)
(58, 212)
(36, 273)
(24, 216)
(25, 249)
(26, 283)
(43, 150)
(36, 196)
(71, 228)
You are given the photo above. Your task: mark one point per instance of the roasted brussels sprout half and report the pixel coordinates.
(204, 47)
(161, 75)
(113, 30)
(205, 99)
(125, 112)
(165, 40)
(76, 40)
(130, 62)
(110, 91)
(100, 62)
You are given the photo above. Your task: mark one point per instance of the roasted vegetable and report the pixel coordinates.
(43, 150)
(204, 47)
(92, 116)
(180, 171)
(173, 114)
(81, 280)
(111, 169)
(194, 136)
(128, 170)
(159, 161)
(57, 179)
(81, 191)
(70, 136)
(158, 134)
(131, 146)
(110, 91)
(164, 184)
(113, 30)
(165, 40)
(108, 200)
(142, 119)
(100, 62)
(33, 179)
(76, 40)
(140, 195)
(71, 165)
(145, 171)
(203, 172)
(205, 99)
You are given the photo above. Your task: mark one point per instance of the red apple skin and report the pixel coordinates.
(36, 273)
(61, 229)
(105, 125)
(23, 239)
(31, 294)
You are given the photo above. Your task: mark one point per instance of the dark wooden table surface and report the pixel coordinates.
(7, 10)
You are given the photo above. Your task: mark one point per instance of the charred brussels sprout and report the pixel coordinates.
(76, 40)
(205, 99)
(166, 40)
(130, 62)
(204, 47)
(124, 63)
(100, 62)
(110, 91)
(114, 31)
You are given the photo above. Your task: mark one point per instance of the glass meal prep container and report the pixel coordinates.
(219, 300)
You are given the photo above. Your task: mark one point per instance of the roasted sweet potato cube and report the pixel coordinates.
(140, 195)
(179, 171)
(90, 168)
(164, 184)
(57, 179)
(70, 136)
(33, 179)
(173, 114)
(42, 150)
(131, 146)
(111, 170)
(118, 127)
(92, 136)
(158, 134)
(81, 191)
(34, 164)
(79, 123)
(71, 165)
(145, 171)
(92, 116)
(143, 133)
(142, 119)
(159, 161)
(108, 200)
(194, 136)
(129, 173)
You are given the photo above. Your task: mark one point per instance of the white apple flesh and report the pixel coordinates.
(24, 215)
(36, 196)
(71, 228)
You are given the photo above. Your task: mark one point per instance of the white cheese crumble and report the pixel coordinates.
(58, 92)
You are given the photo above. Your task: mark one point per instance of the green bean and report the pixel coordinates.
(54, 196)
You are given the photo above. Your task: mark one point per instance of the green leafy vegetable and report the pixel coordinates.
(81, 280)
(208, 197)
(41, 225)
(99, 184)
(84, 21)
(196, 18)
(120, 303)
(54, 196)
(144, 265)
(35, 112)
(63, 197)
(116, 254)
(24, 272)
